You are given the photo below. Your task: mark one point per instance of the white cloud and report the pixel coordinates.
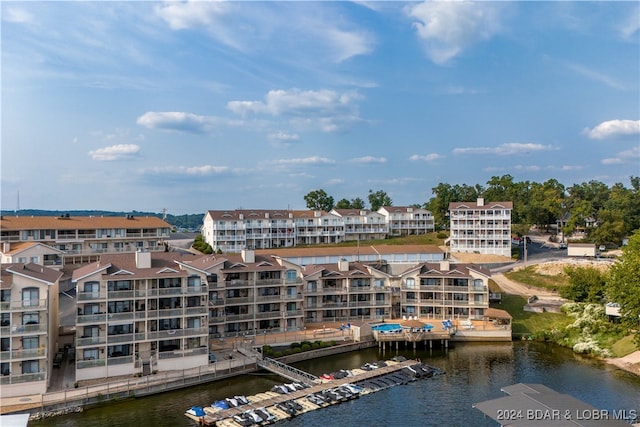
(426, 158)
(626, 156)
(115, 152)
(298, 102)
(16, 15)
(195, 171)
(596, 76)
(631, 25)
(369, 159)
(179, 121)
(335, 181)
(314, 160)
(182, 15)
(508, 149)
(527, 168)
(284, 136)
(614, 128)
(348, 44)
(449, 27)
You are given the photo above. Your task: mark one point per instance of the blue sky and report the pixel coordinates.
(192, 106)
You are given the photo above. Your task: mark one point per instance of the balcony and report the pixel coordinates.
(40, 328)
(270, 282)
(177, 333)
(22, 378)
(120, 316)
(90, 341)
(90, 296)
(91, 318)
(90, 363)
(27, 305)
(239, 300)
(183, 353)
(32, 353)
(119, 360)
(119, 338)
(269, 315)
(238, 317)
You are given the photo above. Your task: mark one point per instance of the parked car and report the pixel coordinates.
(57, 359)
(602, 248)
(212, 358)
(562, 246)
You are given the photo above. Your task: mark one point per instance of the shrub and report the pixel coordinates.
(441, 235)
(305, 347)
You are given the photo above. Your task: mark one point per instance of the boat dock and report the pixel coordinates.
(312, 395)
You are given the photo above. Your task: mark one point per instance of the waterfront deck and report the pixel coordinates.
(273, 401)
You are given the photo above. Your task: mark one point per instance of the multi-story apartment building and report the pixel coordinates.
(84, 239)
(140, 312)
(362, 224)
(251, 294)
(481, 227)
(407, 220)
(318, 227)
(32, 252)
(345, 292)
(444, 290)
(233, 231)
(28, 331)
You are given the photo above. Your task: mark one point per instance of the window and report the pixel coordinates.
(91, 309)
(120, 329)
(30, 367)
(410, 283)
(30, 319)
(193, 322)
(30, 343)
(119, 285)
(30, 297)
(119, 306)
(91, 331)
(119, 350)
(90, 354)
(93, 288)
(291, 276)
(34, 259)
(193, 282)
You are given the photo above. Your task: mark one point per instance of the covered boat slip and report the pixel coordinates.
(536, 405)
(275, 403)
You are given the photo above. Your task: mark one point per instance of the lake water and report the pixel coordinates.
(474, 373)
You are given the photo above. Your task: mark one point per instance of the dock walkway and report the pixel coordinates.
(269, 400)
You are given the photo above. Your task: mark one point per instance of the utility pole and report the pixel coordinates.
(525, 251)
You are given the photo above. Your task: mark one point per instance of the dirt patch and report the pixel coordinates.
(630, 363)
(480, 258)
(555, 268)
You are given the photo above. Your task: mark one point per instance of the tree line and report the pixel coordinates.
(607, 214)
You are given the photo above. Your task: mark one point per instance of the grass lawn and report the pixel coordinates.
(422, 239)
(623, 346)
(528, 323)
(529, 277)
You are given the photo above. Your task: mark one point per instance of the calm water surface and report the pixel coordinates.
(475, 372)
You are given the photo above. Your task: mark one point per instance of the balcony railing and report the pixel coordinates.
(24, 329)
(182, 353)
(119, 360)
(31, 353)
(22, 378)
(239, 300)
(92, 363)
(91, 341)
(120, 316)
(91, 318)
(118, 338)
(89, 296)
(27, 305)
(177, 333)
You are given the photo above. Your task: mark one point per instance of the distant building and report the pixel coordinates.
(83, 239)
(32, 252)
(318, 227)
(28, 335)
(407, 220)
(362, 224)
(479, 227)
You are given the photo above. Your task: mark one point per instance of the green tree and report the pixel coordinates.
(586, 284)
(623, 284)
(343, 204)
(357, 203)
(319, 200)
(379, 199)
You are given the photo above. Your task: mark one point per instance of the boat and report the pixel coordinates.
(196, 411)
(220, 404)
(242, 400)
(266, 416)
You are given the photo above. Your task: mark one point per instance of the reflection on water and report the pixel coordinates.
(475, 372)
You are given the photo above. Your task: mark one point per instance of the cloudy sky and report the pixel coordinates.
(191, 106)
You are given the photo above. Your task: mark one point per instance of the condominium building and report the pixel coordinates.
(444, 290)
(32, 252)
(318, 227)
(345, 291)
(83, 239)
(29, 324)
(481, 227)
(362, 224)
(407, 220)
(138, 313)
(251, 294)
(233, 231)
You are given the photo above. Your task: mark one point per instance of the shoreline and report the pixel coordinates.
(629, 363)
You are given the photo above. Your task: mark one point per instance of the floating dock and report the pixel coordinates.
(271, 406)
